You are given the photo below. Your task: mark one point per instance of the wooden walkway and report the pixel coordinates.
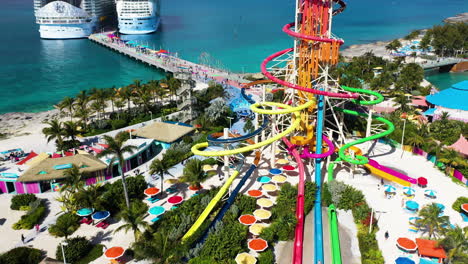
(168, 63)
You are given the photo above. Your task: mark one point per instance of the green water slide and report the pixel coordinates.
(359, 160)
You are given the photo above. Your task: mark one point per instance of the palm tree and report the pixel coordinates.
(54, 131)
(116, 149)
(402, 102)
(68, 104)
(126, 94)
(415, 140)
(394, 45)
(193, 173)
(89, 197)
(70, 129)
(83, 114)
(133, 217)
(434, 147)
(217, 109)
(431, 221)
(455, 242)
(444, 117)
(154, 247)
(452, 158)
(160, 167)
(73, 181)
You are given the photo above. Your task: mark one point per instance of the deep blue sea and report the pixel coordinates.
(237, 35)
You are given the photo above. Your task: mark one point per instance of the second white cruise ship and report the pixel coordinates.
(138, 16)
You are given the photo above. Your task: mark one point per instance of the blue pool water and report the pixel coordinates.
(237, 35)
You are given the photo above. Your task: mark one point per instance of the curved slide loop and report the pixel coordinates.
(331, 148)
(259, 130)
(378, 96)
(295, 86)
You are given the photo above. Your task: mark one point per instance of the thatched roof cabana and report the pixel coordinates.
(49, 169)
(163, 132)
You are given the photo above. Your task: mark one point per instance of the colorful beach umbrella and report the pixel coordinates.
(275, 171)
(176, 199)
(85, 211)
(430, 193)
(422, 181)
(151, 191)
(114, 252)
(264, 202)
(258, 244)
(269, 187)
(278, 179)
(171, 181)
(255, 193)
(156, 210)
(264, 179)
(282, 161)
(464, 207)
(101, 215)
(406, 244)
(247, 219)
(404, 260)
(412, 205)
(409, 191)
(288, 167)
(389, 188)
(256, 229)
(245, 258)
(262, 214)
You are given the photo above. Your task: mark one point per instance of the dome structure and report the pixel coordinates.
(455, 97)
(60, 9)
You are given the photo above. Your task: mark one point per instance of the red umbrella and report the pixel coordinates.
(175, 199)
(114, 252)
(464, 207)
(288, 167)
(258, 244)
(422, 181)
(406, 244)
(247, 219)
(151, 191)
(255, 193)
(163, 51)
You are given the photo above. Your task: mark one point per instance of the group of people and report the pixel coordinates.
(13, 156)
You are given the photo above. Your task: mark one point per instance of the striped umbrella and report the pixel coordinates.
(409, 191)
(430, 193)
(389, 188)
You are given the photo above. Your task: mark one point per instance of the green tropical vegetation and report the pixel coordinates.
(36, 213)
(133, 219)
(455, 242)
(76, 249)
(447, 39)
(432, 221)
(458, 203)
(65, 226)
(22, 255)
(22, 201)
(193, 173)
(116, 149)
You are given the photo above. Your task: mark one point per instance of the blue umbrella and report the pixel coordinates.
(389, 188)
(264, 179)
(412, 205)
(275, 171)
(430, 193)
(85, 211)
(409, 191)
(101, 215)
(403, 260)
(156, 210)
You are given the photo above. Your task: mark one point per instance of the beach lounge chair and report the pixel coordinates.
(105, 225)
(193, 195)
(89, 221)
(100, 224)
(464, 216)
(174, 207)
(83, 220)
(155, 219)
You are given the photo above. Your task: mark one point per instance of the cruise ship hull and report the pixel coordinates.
(66, 31)
(136, 26)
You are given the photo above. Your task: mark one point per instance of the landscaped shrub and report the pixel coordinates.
(77, 248)
(21, 255)
(457, 204)
(370, 253)
(95, 253)
(113, 196)
(118, 123)
(22, 200)
(66, 225)
(266, 257)
(32, 217)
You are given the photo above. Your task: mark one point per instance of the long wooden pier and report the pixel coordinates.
(166, 62)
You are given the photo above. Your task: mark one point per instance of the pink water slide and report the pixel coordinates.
(391, 172)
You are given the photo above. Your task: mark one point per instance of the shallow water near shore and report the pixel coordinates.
(35, 73)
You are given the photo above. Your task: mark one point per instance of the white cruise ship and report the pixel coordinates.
(138, 16)
(69, 19)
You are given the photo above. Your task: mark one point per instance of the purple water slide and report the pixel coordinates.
(394, 173)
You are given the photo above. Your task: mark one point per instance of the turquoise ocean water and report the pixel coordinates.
(35, 73)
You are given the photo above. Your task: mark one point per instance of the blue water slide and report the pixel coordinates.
(318, 228)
